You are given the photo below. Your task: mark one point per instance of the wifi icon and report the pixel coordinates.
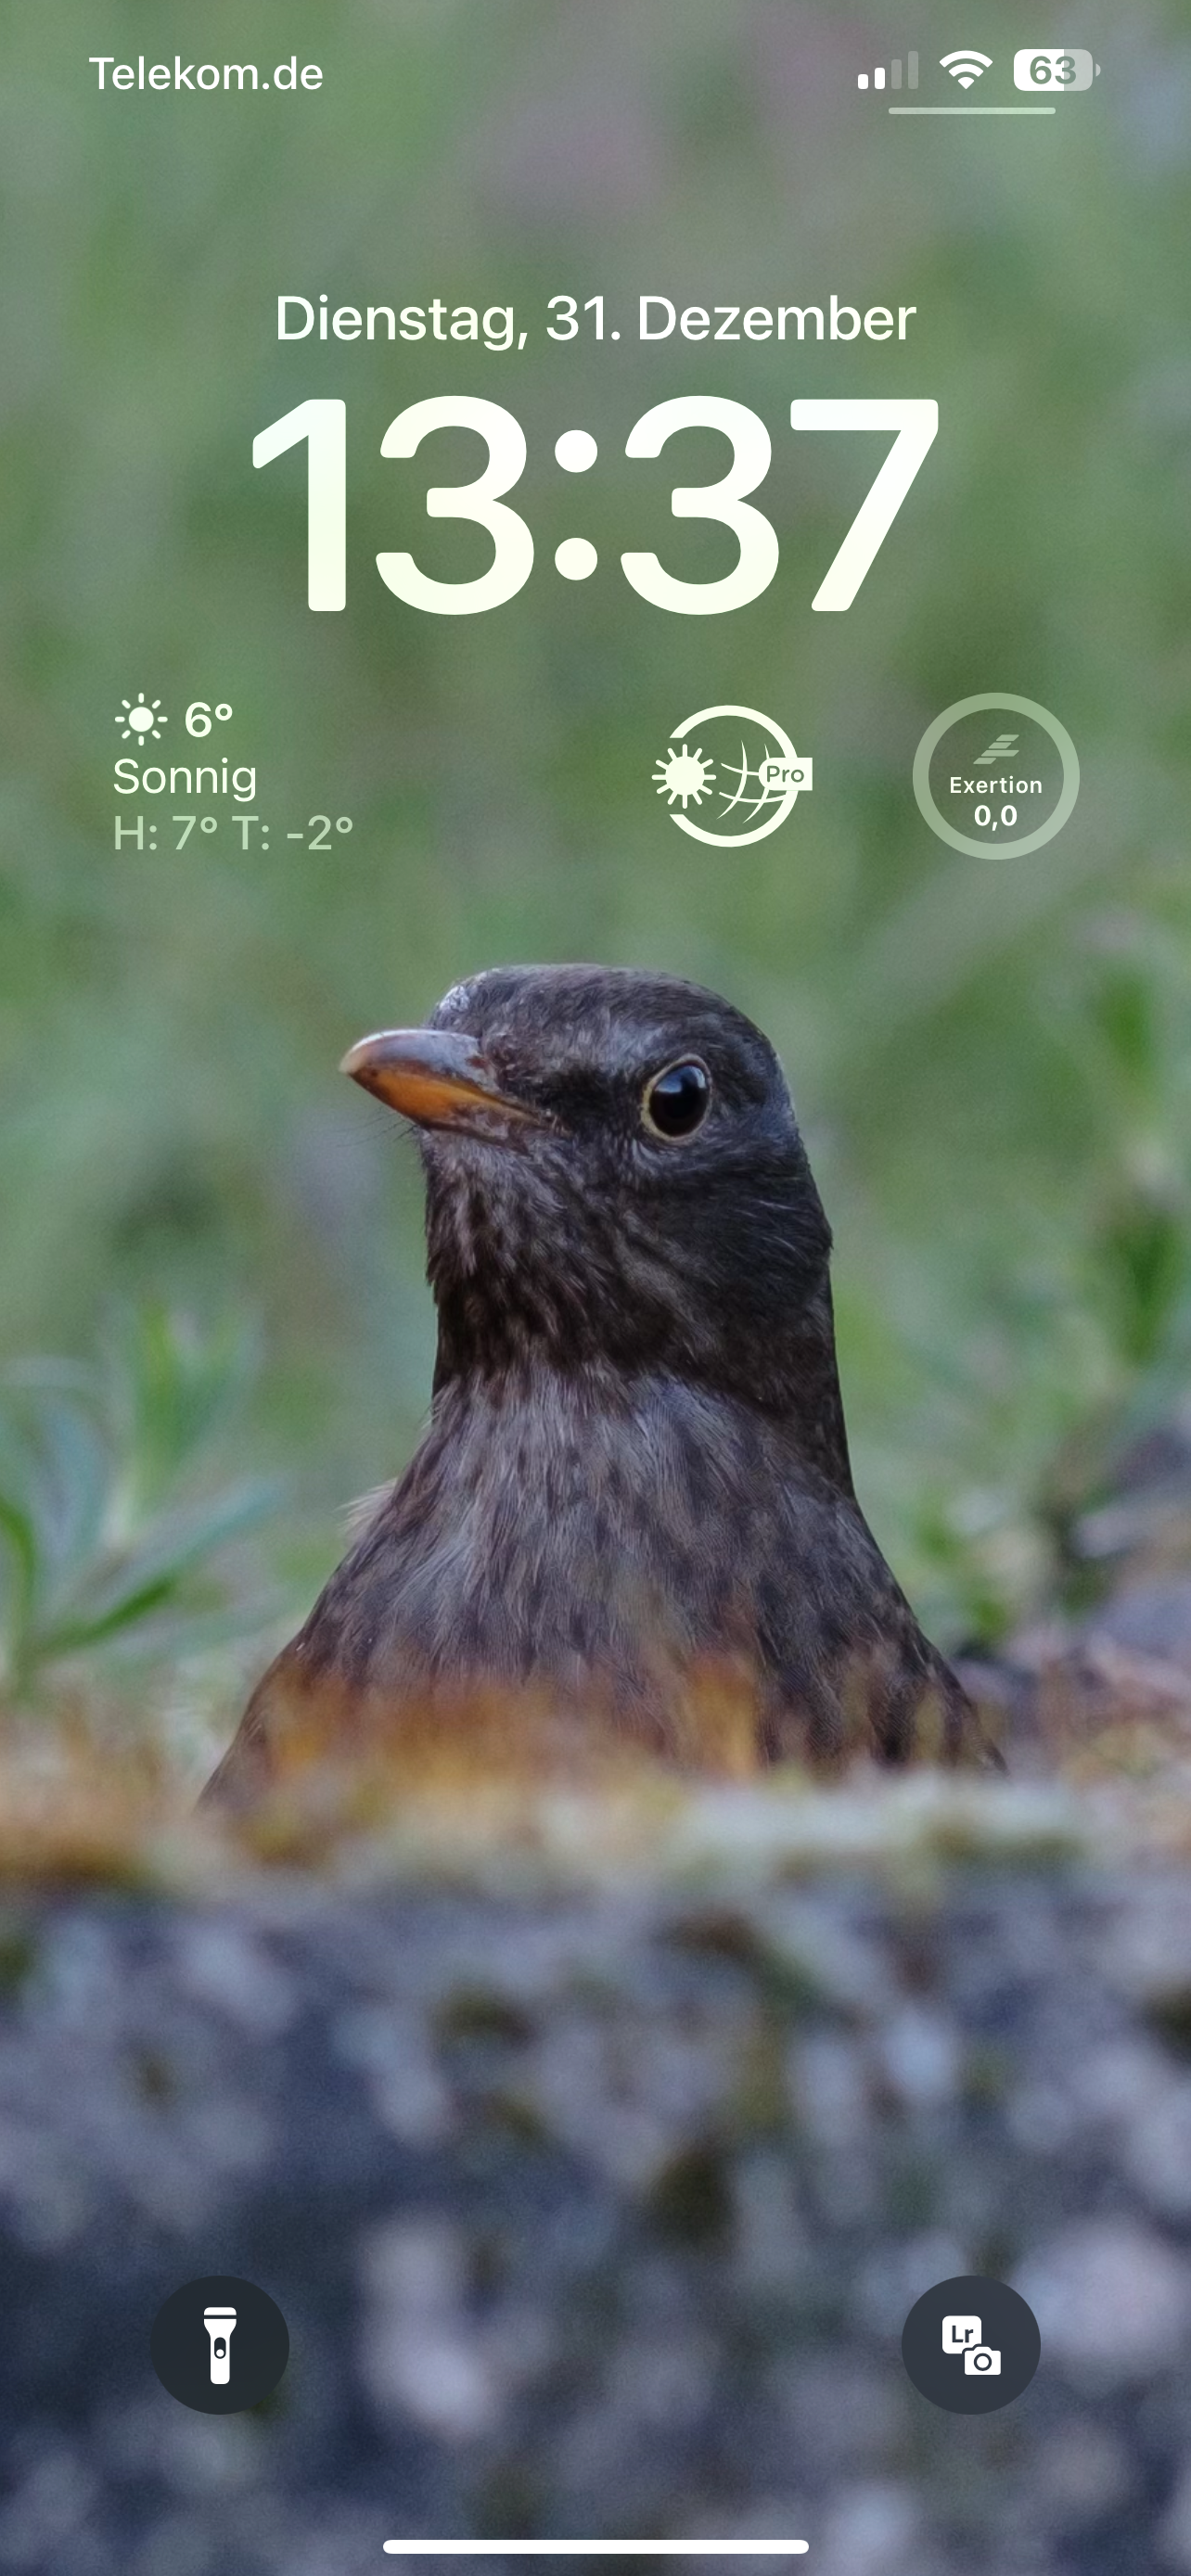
(965, 66)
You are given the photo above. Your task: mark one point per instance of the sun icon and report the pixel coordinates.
(684, 776)
(141, 717)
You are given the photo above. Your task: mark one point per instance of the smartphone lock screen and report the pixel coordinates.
(595, 1287)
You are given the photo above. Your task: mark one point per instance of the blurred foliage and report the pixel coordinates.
(992, 1063)
(108, 1546)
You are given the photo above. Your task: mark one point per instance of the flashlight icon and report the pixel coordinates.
(221, 2325)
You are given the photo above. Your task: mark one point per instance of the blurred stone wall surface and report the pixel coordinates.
(599, 2213)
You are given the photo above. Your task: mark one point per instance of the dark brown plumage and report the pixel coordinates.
(633, 1502)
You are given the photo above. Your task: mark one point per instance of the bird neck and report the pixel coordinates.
(791, 1385)
(811, 1401)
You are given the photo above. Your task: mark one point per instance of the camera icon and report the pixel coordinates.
(981, 2362)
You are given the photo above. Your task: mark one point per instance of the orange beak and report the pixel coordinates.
(439, 1078)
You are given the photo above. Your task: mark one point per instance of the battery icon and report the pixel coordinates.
(1051, 67)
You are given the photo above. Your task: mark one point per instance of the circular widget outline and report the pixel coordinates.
(739, 840)
(933, 736)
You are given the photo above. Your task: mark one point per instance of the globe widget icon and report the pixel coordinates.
(738, 769)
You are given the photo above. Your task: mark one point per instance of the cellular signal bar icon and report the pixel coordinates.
(877, 78)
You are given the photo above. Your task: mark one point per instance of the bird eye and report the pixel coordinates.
(677, 1101)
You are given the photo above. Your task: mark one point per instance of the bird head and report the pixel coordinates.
(614, 1175)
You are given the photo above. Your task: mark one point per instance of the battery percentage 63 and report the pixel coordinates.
(1049, 67)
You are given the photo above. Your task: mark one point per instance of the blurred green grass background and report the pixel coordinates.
(992, 1063)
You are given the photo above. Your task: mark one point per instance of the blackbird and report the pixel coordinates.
(633, 1501)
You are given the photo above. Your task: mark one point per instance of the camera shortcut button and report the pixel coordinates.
(971, 2345)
